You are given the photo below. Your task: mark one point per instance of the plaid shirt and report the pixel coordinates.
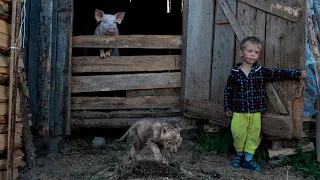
(244, 94)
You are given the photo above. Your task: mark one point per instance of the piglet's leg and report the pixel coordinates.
(108, 53)
(102, 54)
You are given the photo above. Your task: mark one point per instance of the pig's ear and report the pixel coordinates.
(98, 15)
(120, 16)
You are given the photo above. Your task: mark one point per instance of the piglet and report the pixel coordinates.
(108, 26)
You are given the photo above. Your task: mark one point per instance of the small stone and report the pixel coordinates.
(98, 142)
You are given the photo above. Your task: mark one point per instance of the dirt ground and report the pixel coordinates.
(79, 160)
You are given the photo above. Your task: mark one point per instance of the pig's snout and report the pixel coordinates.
(112, 30)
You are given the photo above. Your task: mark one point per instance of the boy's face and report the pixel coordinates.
(250, 53)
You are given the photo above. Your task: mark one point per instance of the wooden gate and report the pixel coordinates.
(152, 83)
(212, 45)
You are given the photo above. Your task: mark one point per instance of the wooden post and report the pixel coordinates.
(14, 55)
(318, 131)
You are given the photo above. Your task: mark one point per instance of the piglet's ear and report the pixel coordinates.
(98, 15)
(120, 17)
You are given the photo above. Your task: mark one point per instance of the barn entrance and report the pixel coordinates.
(144, 81)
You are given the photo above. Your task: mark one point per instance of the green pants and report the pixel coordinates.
(245, 128)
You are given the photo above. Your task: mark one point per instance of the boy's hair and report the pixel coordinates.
(252, 39)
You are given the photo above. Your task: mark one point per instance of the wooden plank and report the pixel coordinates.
(4, 35)
(128, 41)
(83, 64)
(223, 54)
(4, 108)
(4, 141)
(199, 49)
(32, 57)
(4, 128)
(147, 102)
(272, 124)
(4, 94)
(4, 41)
(276, 8)
(54, 74)
(185, 13)
(62, 93)
(124, 114)
(154, 92)
(253, 23)
(4, 119)
(232, 19)
(125, 82)
(4, 28)
(117, 122)
(275, 99)
(15, 54)
(44, 73)
(279, 52)
(17, 161)
(3, 174)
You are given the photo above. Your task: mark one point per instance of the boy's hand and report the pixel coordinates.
(229, 113)
(303, 74)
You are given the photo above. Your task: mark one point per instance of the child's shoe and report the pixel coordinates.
(252, 165)
(238, 160)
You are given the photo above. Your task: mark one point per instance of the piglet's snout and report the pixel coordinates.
(112, 30)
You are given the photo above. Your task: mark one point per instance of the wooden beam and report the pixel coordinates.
(232, 19)
(83, 64)
(124, 114)
(275, 99)
(223, 53)
(128, 41)
(185, 14)
(272, 124)
(290, 151)
(317, 119)
(282, 10)
(147, 102)
(14, 62)
(125, 82)
(198, 48)
(117, 122)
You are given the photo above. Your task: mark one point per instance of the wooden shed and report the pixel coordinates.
(177, 69)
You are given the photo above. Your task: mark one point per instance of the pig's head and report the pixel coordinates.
(109, 21)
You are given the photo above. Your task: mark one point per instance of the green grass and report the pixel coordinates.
(304, 162)
(220, 142)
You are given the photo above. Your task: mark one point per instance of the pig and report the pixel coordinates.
(108, 26)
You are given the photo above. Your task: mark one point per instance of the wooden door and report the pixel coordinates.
(212, 35)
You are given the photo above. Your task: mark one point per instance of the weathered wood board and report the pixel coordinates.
(223, 52)
(199, 49)
(124, 114)
(147, 102)
(281, 34)
(4, 35)
(128, 41)
(84, 64)
(125, 82)
(272, 124)
(279, 24)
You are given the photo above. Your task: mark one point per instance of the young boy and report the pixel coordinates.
(244, 99)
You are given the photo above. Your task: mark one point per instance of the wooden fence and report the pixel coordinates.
(151, 82)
